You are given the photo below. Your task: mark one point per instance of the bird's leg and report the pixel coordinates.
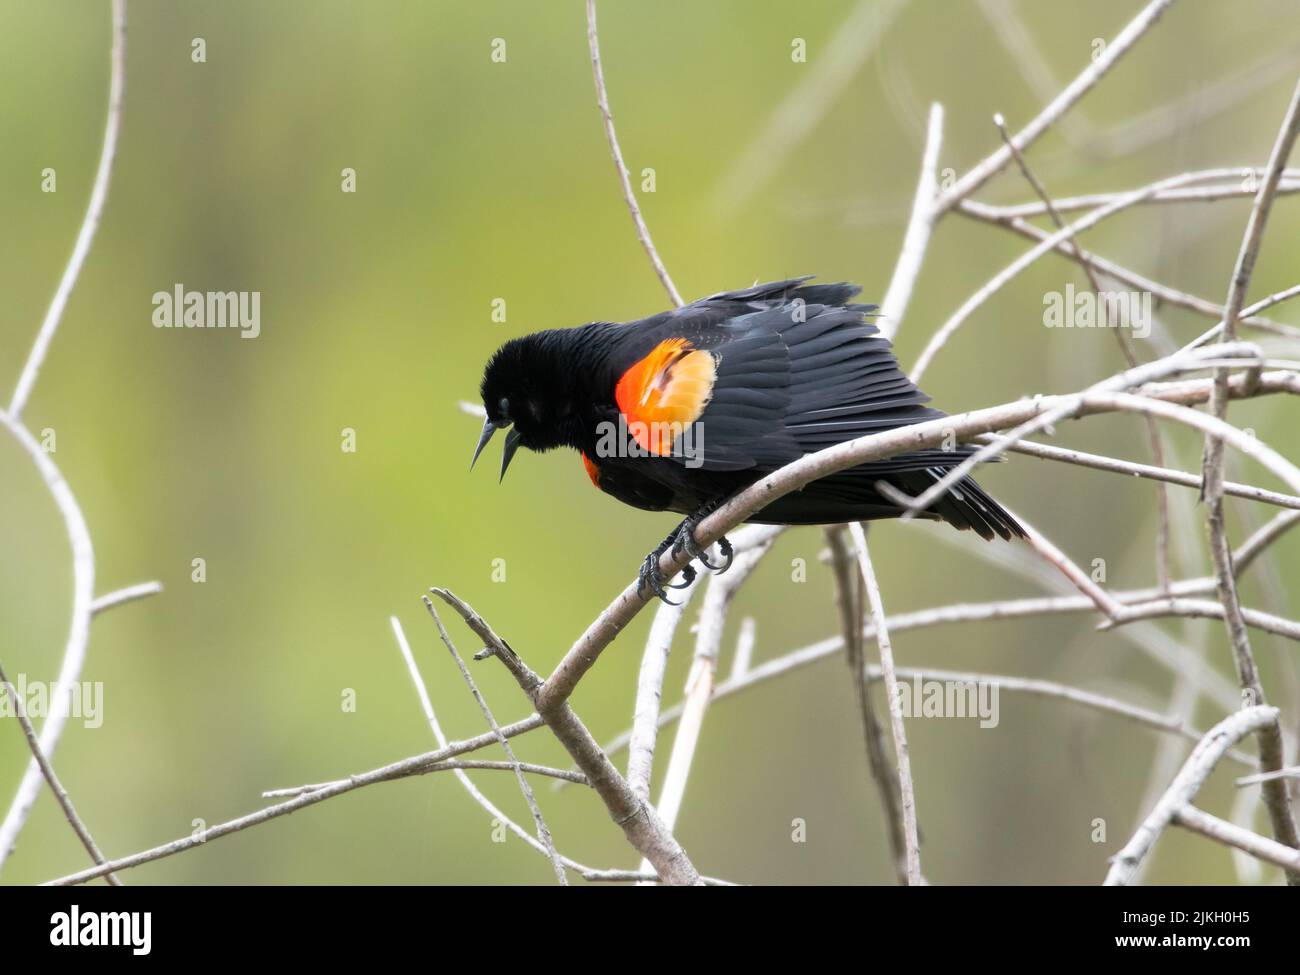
(685, 542)
(682, 540)
(651, 579)
(685, 539)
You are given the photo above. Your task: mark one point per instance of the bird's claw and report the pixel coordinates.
(724, 546)
(688, 576)
(685, 542)
(652, 580)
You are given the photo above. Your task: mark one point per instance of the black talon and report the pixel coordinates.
(685, 542)
(681, 542)
(652, 579)
(688, 576)
(724, 546)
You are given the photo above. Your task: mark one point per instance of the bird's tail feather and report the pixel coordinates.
(965, 506)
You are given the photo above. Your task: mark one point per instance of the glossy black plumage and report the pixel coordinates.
(798, 367)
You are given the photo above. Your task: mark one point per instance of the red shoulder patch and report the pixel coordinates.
(665, 392)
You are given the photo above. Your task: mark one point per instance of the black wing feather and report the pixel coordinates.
(800, 368)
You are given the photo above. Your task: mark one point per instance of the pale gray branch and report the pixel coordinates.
(883, 645)
(74, 654)
(89, 224)
(1076, 89)
(127, 595)
(47, 770)
(1205, 756)
(624, 177)
(919, 227)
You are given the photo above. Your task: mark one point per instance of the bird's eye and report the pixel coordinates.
(504, 406)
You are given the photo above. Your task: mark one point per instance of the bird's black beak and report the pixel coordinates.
(489, 428)
(512, 444)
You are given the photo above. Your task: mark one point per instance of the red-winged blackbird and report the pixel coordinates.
(679, 411)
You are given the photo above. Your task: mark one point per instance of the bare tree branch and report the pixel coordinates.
(624, 177)
(1080, 86)
(74, 654)
(1230, 834)
(1115, 465)
(919, 227)
(1159, 291)
(905, 788)
(699, 682)
(1272, 748)
(47, 770)
(1011, 609)
(130, 594)
(1205, 756)
(1012, 270)
(649, 692)
(637, 818)
(850, 595)
(453, 765)
(415, 765)
(90, 223)
(543, 831)
(1153, 430)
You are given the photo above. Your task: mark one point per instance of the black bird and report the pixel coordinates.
(679, 411)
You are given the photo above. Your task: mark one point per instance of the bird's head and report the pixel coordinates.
(523, 392)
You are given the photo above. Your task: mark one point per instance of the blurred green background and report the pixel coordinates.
(479, 180)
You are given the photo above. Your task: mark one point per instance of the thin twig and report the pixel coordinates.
(47, 770)
(1115, 465)
(699, 682)
(543, 831)
(649, 691)
(636, 817)
(459, 768)
(795, 660)
(127, 595)
(1080, 86)
(919, 227)
(1235, 188)
(995, 284)
(743, 658)
(1230, 834)
(1203, 609)
(1283, 773)
(1134, 377)
(850, 593)
(407, 767)
(1205, 756)
(1052, 554)
(1159, 291)
(74, 653)
(1272, 748)
(905, 787)
(624, 177)
(467, 765)
(1153, 429)
(89, 224)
